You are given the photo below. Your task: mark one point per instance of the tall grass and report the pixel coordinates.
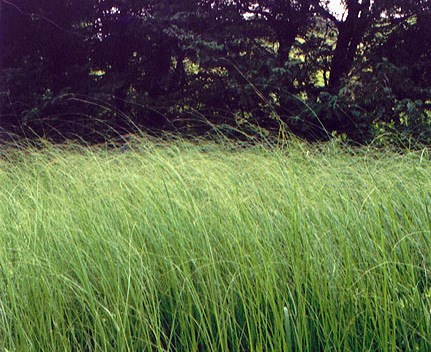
(183, 247)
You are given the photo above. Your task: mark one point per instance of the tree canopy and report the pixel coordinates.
(85, 68)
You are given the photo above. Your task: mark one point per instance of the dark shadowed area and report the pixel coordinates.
(94, 69)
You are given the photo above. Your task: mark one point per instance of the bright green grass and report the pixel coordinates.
(182, 247)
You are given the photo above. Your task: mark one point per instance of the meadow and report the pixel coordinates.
(185, 246)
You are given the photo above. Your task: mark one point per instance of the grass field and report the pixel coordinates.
(206, 247)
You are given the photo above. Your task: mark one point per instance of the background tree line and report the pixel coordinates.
(85, 68)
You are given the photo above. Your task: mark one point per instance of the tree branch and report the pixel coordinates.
(324, 12)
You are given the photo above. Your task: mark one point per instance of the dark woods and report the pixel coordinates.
(94, 68)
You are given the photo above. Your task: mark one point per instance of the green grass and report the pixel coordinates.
(185, 247)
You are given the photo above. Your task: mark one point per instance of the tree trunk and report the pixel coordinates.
(288, 29)
(286, 39)
(350, 33)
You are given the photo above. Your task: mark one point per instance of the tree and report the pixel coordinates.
(285, 19)
(45, 55)
(68, 64)
(396, 77)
